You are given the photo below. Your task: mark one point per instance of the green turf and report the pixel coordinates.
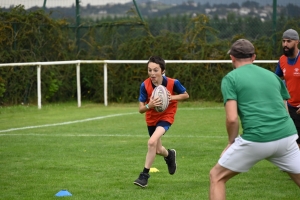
(96, 152)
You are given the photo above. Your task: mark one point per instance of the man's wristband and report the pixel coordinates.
(147, 106)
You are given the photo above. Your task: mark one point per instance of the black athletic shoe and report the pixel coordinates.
(142, 180)
(171, 162)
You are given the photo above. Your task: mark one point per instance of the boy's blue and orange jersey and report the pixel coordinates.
(290, 70)
(146, 89)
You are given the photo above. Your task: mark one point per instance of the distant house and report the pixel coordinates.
(102, 12)
(209, 10)
(244, 11)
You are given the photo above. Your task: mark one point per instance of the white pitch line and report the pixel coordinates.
(89, 119)
(112, 135)
(64, 123)
(206, 108)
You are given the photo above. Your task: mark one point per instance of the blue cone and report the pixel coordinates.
(63, 193)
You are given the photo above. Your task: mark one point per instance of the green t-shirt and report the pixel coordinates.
(259, 94)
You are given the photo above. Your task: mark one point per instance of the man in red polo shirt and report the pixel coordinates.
(289, 68)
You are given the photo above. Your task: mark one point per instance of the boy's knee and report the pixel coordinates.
(151, 143)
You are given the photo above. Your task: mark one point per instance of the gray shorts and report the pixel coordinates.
(243, 154)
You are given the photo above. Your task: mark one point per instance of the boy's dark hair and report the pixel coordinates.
(158, 60)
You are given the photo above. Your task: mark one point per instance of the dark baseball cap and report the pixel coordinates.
(290, 34)
(242, 48)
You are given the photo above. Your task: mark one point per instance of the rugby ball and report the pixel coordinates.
(161, 92)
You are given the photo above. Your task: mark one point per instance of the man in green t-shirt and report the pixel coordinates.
(257, 97)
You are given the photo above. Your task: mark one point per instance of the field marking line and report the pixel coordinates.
(205, 108)
(90, 119)
(112, 135)
(65, 123)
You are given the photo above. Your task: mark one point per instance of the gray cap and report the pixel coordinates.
(290, 34)
(242, 48)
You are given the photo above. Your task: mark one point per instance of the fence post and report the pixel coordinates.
(44, 5)
(77, 24)
(78, 84)
(105, 83)
(274, 24)
(138, 10)
(39, 87)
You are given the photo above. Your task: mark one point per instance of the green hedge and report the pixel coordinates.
(36, 37)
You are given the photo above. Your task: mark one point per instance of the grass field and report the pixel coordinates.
(96, 152)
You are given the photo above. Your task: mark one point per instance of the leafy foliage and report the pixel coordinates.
(32, 36)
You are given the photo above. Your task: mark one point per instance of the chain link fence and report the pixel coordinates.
(259, 17)
(250, 19)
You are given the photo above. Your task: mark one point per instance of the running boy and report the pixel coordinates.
(158, 123)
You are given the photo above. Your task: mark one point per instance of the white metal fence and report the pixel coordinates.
(104, 62)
